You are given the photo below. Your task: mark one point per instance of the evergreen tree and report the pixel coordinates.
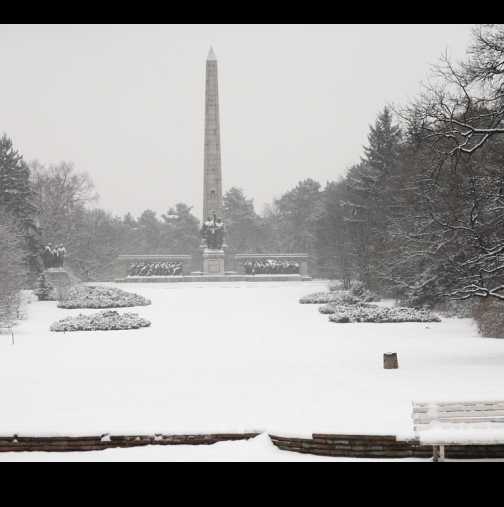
(373, 190)
(383, 150)
(333, 242)
(150, 231)
(181, 230)
(12, 264)
(17, 200)
(297, 213)
(243, 225)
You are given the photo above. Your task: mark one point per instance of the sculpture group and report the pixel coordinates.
(212, 233)
(53, 257)
(271, 267)
(156, 269)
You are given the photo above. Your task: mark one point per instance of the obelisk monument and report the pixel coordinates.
(212, 196)
(213, 227)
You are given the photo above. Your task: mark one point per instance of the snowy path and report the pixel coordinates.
(236, 357)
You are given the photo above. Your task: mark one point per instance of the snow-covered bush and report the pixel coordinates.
(335, 285)
(330, 308)
(359, 290)
(339, 297)
(320, 298)
(378, 314)
(489, 315)
(357, 294)
(100, 298)
(103, 321)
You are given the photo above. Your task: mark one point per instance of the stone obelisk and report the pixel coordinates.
(213, 256)
(212, 193)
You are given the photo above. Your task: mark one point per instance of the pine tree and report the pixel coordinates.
(16, 199)
(180, 230)
(383, 150)
(372, 198)
(243, 225)
(298, 212)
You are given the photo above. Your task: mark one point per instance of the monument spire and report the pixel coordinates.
(211, 54)
(212, 192)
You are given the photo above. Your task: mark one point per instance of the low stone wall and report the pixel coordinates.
(345, 446)
(75, 444)
(380, 447)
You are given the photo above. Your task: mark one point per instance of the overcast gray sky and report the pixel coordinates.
(126, 103)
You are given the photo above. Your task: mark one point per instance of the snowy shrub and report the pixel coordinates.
(377, 314)
(330, 308)
(101, 298)
(337, 297)
(318, 298)
(335, 285)
(359, 290)
(489, 315)
(103, 321)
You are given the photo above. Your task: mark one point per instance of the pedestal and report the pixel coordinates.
(213, 262)
(60, 280)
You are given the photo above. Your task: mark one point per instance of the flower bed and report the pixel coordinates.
(101, 298)
(377, 314)
(103, 321)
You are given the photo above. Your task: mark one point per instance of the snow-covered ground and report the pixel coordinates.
(235, 357)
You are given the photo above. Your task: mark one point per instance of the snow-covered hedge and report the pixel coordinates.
(103, 321)
(357, 294)
(321, 298)
(101, 298)
(378, 314)
(330, 308)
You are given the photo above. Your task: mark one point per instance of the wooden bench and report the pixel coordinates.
(7, 320)
(458, 423)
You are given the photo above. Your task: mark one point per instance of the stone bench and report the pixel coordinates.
(458, 423)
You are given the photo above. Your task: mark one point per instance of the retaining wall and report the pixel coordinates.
(348, 446)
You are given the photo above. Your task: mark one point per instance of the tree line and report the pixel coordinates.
(419, 217)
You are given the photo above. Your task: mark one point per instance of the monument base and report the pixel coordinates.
(60, 280)
(213, 262)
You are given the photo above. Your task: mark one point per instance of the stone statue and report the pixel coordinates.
(54, 257)
(212, 233)
(48, 256)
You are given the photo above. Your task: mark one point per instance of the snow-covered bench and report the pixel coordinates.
(458, 423)
(7, 320)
